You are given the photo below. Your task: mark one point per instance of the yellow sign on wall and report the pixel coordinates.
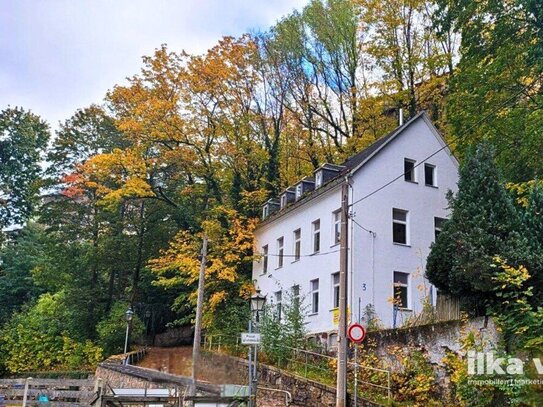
(335, 316)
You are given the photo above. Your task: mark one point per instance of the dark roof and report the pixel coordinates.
(355, 160)
(347, 166)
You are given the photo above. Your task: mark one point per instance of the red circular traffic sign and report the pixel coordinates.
(356, 333)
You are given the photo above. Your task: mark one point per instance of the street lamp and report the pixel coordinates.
(257, 305)
(128, 315)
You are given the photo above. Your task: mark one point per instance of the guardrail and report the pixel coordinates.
(373, 384)
(52, 392)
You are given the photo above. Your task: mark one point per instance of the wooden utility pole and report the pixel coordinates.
(341, 394)
(198, 323)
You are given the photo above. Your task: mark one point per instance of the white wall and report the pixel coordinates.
(373, 259)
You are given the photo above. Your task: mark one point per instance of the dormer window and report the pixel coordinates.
(299, 191)
(265, 211)
(284, 201)
(318, 179)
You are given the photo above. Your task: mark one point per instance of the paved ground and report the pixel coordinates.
(177, 360)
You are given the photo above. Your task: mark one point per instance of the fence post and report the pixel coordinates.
(305, 365)
(25, 395)
(219, 346)
(388, 380)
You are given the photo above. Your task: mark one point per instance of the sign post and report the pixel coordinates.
(356, 333)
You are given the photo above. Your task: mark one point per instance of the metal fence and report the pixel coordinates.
(369, 382)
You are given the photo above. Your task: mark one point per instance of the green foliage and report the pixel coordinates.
(112, 329)
(498, 77)
(36, 339)
(18, 260)
(280, 335)
(23, 138)
(484, 223)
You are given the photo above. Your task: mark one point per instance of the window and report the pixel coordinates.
(297, 244)
(399, 226)
(283, 201)
(438, 226)
(401, 290)
(336, 225)
(265, 259)
(298, 191)
(318, 179)
(278, 304)
(265, 211)
(430, 175)
(409, 170)
(280, 252)
(316, 236)
(335, 290)
(314, 292)
(295, 290)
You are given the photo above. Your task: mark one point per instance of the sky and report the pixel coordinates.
(60, 55)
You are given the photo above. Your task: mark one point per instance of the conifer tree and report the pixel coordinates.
(484, 223)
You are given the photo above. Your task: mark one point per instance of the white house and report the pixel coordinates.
(390, 230)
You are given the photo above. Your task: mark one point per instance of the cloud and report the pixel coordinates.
(60, 55)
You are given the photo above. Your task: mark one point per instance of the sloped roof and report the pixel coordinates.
(351, 164)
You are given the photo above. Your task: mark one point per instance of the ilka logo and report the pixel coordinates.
(485, 363)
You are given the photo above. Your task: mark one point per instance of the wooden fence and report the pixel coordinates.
(447, 308)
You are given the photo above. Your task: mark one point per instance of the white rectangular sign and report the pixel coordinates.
(250, 339)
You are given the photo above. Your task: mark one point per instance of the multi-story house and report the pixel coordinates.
(391, 227)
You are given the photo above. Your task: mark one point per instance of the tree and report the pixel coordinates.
(499, 77)
(23, 139)
(19, 259)
(484, 223)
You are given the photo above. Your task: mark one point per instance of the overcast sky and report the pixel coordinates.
(60, 55)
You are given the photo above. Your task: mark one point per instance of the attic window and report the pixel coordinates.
(265, 211)
(298, 191)
(318, 179)
(409, 170)
(430, 175)
(283, 200)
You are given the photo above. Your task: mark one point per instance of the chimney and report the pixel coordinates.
(401, 116)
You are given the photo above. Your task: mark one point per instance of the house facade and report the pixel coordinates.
(390, 231)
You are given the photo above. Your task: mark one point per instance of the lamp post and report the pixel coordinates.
(128, 315)
(257, 305)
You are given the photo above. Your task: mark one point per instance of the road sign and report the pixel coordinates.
(356, 333)
(250, 339)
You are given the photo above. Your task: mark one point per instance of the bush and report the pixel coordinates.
(36, 339)
(112, 329)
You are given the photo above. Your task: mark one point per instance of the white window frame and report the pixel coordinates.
(434, 175)
(278, 296)
(265, 259)
(314, 295)
(407, 289)
(336, 227)
(318, 179)
(438, 229)
(413, 170)
(284, 200)
(297, 240)
(401, 222)
(316, 235)
(265, 211)
(299, 189)
(280, 252)
(335, 290)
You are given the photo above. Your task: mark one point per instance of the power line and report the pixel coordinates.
(299, 255)
(448, 144)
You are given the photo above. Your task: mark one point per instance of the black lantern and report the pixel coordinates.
(257, 302)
